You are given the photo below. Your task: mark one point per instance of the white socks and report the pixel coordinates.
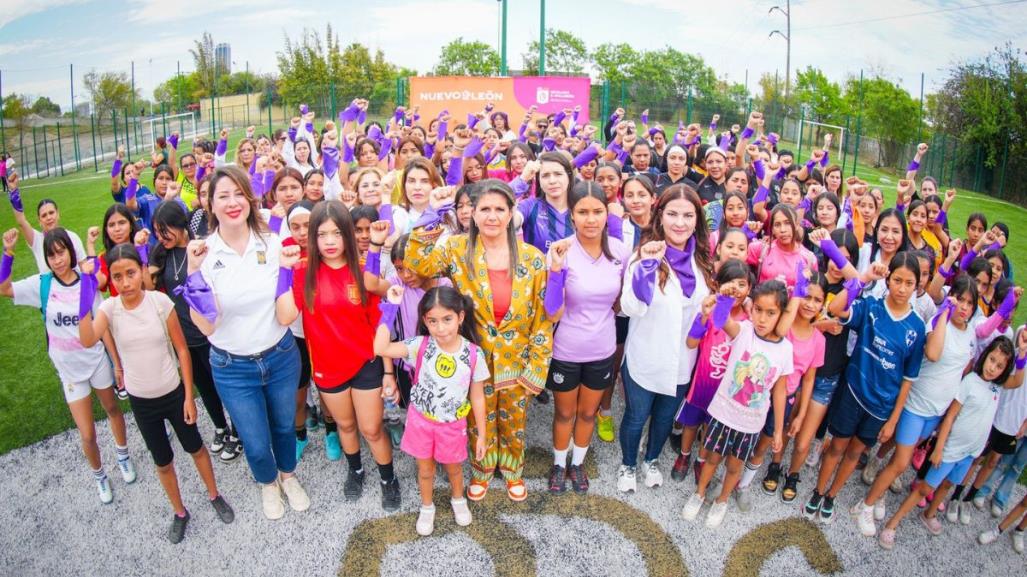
(578, 455)
(747, 476)
(560, 457)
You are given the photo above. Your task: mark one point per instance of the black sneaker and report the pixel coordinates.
(353, 489)
(675, 441)
(557, 480)
(579, 479)
(218, 444)
(791, 489)
(827, 509)
(812, 506)
(543, 397)
(390, 495)
(223, 509)
(681, 465)
(773, 478)
(177, 532)
(232, 450)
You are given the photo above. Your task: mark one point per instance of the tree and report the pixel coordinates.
(889, 114)
(613, 61)
(43, 106)
(204, 61)
(17, 109)
(180, 90)
(821, 97)
(459, 58)
(305, 67)
(565, 53)
(668, 73)
(109, 90)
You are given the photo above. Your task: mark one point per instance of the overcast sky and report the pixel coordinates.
(899, 38)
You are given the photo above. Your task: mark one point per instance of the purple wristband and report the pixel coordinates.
(86, 294)
(713, 126)
(698, 329)
(722, 310)
(116, 168)
(801, 282)
(762, 195)
(747, 133)
(653, 131)
(946, 306)
(810, 165)
(222, 147)
(758, 169)
(913, 165)
(586, 156)
(852, 289)
(946, 273)
(805, 204)
(968, 258)
(389, 312)
(554, 291)
(330, 159)
(473, 147)
(16, 203)
(1005, 310)
(443, 130)
(645, 118)
(144, 253)
(274, 224)
(823, 161)
(643, 281)
(548, 144)
(6, 265)
(994, 246)
(520, 133)
(173, 141)
(942, 218)
(455, 173)
(284, 281)
(750, 235)
(373, 264)
(293, 132)
(198, 295)
(130, 192)
(472, 120)
(772, 139)
(1021, 363)
(304, 109)
(832, 252)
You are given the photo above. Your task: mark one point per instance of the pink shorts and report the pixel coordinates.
(426, 439)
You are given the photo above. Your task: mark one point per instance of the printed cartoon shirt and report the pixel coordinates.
(743, 397)
(440, 393)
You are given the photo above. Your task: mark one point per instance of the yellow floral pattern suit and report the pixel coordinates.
(517, 351)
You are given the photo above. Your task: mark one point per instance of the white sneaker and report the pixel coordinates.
(996, 510)
(461, 512)
(979, 502)
(716, 515)
(103, 486)
(626, 479)
(879, 510)
(813, 457)
(128, 470)
(870, 471)
(1018, 541)
(271, 499)
(988, 537)
(298, 499)
(692, 507)
(952, 511)
(965, 513)
(864, 516)
(743, 498)
(426, 521)
(653, 476)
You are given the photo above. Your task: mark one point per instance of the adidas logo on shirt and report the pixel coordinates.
(219, 265)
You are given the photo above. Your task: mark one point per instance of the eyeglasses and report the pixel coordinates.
(282, 139)
(190, 165)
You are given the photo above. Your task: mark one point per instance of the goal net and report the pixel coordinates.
(813, 135)
(187, 126)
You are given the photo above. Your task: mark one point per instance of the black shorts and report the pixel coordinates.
(565, 376)
(368, 378)
(1001, 443)
(622, 329)
(301, 344)
(150, 415)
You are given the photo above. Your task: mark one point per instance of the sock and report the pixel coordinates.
(330, 427)
(559, 457)
(122, 452)
(747, 476)
(386, 472)
(699, 461)
(578, 455)
(354, 462)
(181, 516)
(459, 501)
(605, 412)
(301, 434)
(99, 474)
(427, 507)
(957, 492)
(970, 494)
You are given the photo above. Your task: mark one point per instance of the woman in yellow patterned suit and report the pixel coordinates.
(506, 279)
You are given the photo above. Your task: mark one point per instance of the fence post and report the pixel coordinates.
(979, 172)
(1002, 178)
(269, 130)
(60, 151)
(46, 154)
(604, 103)
(859, 125)
(688, 114)
(941, 161)
(331, 98)
(802, 120)
(128, 141)
(35, 151)
(92, 130)
(164, 118)
(114, 123)
(952, 169)
(845, 148)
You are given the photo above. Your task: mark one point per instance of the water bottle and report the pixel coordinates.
(393, 421)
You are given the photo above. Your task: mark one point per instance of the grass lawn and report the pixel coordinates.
(31, 405)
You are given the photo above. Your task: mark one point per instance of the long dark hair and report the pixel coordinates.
(450, 299)
(118, 208)
(962, 285)
(654, 231)
(334, 211)
(168, 216)
(908, 260)
(499, 188)
(589, 189)
(123, 251)
(1004, 346)
(54, 239)
(891, 213)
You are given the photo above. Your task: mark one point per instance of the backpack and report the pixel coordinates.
(424, 347)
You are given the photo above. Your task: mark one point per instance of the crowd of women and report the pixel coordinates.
(743, 300)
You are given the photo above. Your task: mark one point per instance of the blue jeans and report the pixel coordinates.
(259, 392)
(1007, 471)
(641, 406)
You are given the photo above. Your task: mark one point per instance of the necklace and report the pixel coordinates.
(177, 267)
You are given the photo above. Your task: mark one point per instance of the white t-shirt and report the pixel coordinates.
(151, 368)
(37, 250)
(440, 393)
(932, 393)
(244, 286)
(74, 363)
(970, 432)
(743, 397)
(1012, 410)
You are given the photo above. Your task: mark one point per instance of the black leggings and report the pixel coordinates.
(204, 381)
(150, 415)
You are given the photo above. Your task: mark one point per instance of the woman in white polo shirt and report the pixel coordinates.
(231, 290)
